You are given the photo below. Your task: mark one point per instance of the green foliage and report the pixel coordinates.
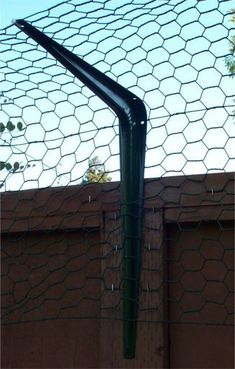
(10, 127)
(95, 172)
(20, 126)
(230, 60)
(2, 127)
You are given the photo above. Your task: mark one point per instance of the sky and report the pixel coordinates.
(16, 9)
(174, 61)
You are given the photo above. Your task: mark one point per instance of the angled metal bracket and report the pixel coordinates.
(132, 132)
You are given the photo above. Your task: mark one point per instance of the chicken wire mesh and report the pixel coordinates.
(172, 55)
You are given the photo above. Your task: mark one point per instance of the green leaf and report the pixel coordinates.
(16, 166)
(2, 127)
(8, 166)
(10, 126)
(20, 126)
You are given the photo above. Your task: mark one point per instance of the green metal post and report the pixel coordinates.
(132, 153)
(132, 126)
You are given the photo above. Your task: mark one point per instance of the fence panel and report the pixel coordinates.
(49, 276)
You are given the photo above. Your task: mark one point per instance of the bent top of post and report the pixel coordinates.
(129, 108)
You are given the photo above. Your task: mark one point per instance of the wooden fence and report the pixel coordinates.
(61, 276)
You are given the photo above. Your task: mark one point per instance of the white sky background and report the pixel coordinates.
(174, 60)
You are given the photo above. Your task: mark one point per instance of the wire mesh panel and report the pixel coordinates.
(61, 240)
(170, 53)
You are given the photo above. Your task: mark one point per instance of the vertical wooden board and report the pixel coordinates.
(201, 295)
(54, 334)
(151, 348)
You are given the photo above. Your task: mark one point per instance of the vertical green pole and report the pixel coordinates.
(132, 153)
(132, 123)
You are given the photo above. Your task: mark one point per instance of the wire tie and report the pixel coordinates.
(89, 198)
(112, 287)
(149, 246)
(212, 192)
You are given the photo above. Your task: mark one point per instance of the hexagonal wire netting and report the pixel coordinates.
(172, 55)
